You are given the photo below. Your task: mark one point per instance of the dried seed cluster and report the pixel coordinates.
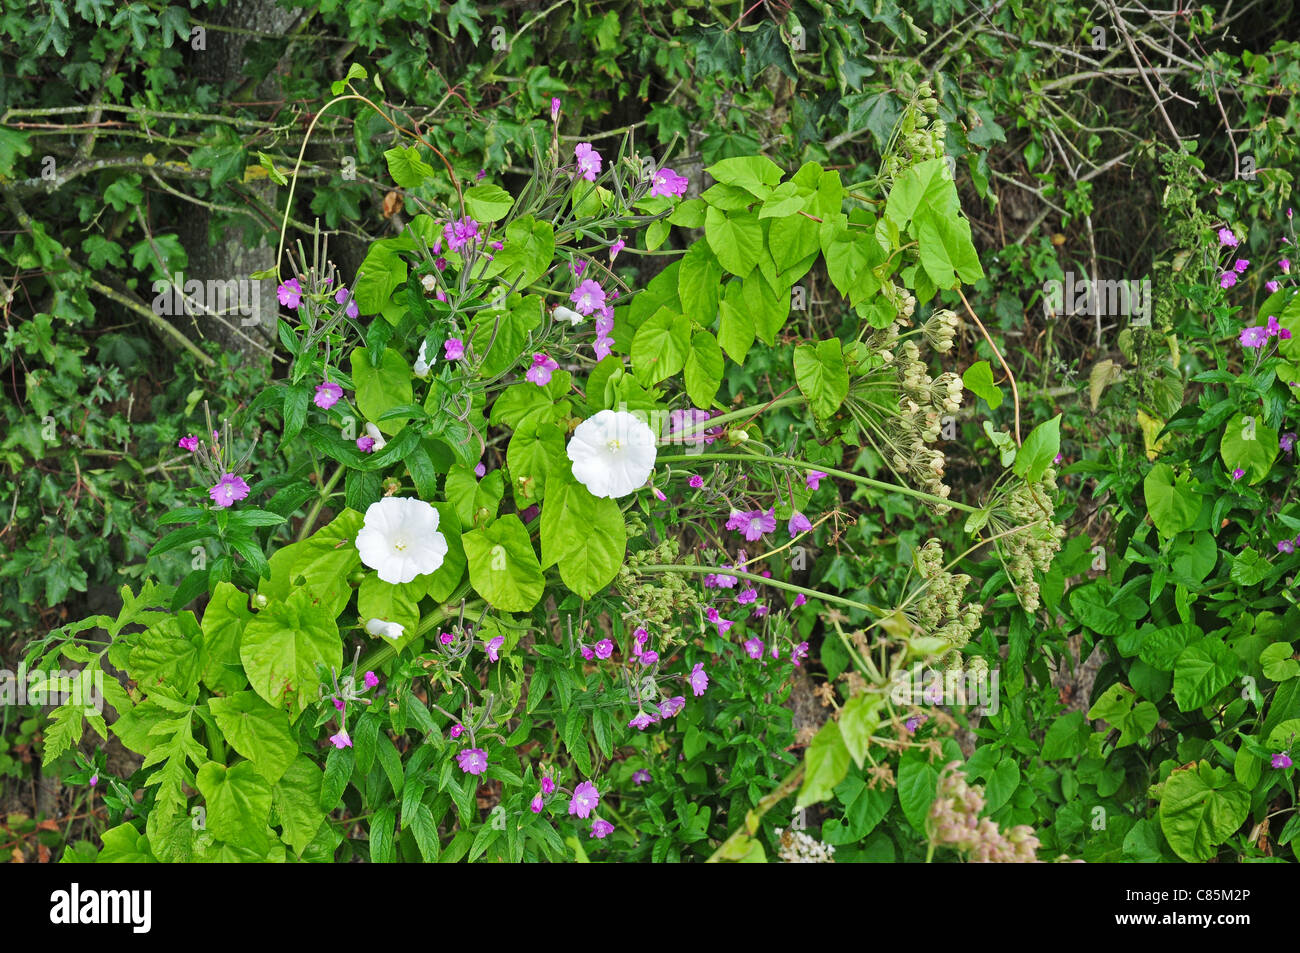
(955, 822)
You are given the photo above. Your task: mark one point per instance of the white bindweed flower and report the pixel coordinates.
(400, 539)
(613, 453)
(564, 314)
(389, 630)
(422, 366)
(377, 436)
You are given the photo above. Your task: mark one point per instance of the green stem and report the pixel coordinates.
(803, 465)
(310, 522)
(740, 414)
(388, 651)
(752, 818)
(826, 597)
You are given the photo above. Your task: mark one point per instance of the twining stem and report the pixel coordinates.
(754, 577)
(752, 818)
(743, 412)
(1015, 393)
(388, 651)
(307, 525)
(803, 465)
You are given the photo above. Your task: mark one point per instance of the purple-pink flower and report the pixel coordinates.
(555, 108)
(1281, 760)
(671, 706)
(228, 489)
(453, 349)
(366, 444)
(756, 523)
(588, 161)
(472, 760)
(1240, 265)
(1238, 473)
(1227, 279)
(798, 524)
(754, 647)
(548, 785)
(341, 740)
(814, 479)
(640, 777)
(372, 680)
(327, 395)
(747, 596)
(343, 295)
(604, 648)
(696, 482)
(190, 443)
(1227, 239)
(641, 721)
(585, 799)
(536, 805)
(600, 828)
(649, 658)
(1286, 442)
(698, 679)
(602, 347)
(494, 646)
(289, 293)
(589, 296)
(460, 233)
(540, 372)
(668, 184)
(615, 248)
(799, 653)
(1254, 337)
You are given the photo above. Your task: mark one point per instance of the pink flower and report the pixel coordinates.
(372, 680)
(441, 264)
(602, 347)
(815, 478)
(456, 731)
(1240, 266)
(588, 161)
(1227, 239)
(589, 296)
(641, 722)
(494, 646)
(699, 681)
(605, 322)
(604, 648)
(366, 444)
(497, 246)
(577, 267)
(799, 653)
(548, 785)
(555, 108)
(671, 706)
(754, 647)
(540, 372)
(587, 652)
(341, 740)
(190, 443)
(649, 658)
(1238, 473)
(460, 233)
(696, 482)
(1281, 760)
(747, 596)
(799, 600)
(472, 761)
(480, 471)
(343, 295)
(228, 489)
(1254, 337)
(798, 524)
(600, 829)
(615, 248)
(453, 349)
(536, 805)
(94, 780)
(1287, 442)
(289, 293)
(585, 800)
(668, 184)
(658, 494)
(339, 704)
(757, 523)
(1227, 279)
(1285, 265)
(327, 395)
(1270, 286)
(640, 777)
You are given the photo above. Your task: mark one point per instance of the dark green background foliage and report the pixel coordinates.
(142, 139)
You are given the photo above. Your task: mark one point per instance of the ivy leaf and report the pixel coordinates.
(1200, 808)
(736, 239)
(488, 203)
(503, 567)
(464, 14)
(978, 379)
(238, 802)
(821, 375)
(825, 765)
(1039, 450)
(703, 370)
(286, 648)
(1203, 669)
(1172, 503)
(257, 731)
